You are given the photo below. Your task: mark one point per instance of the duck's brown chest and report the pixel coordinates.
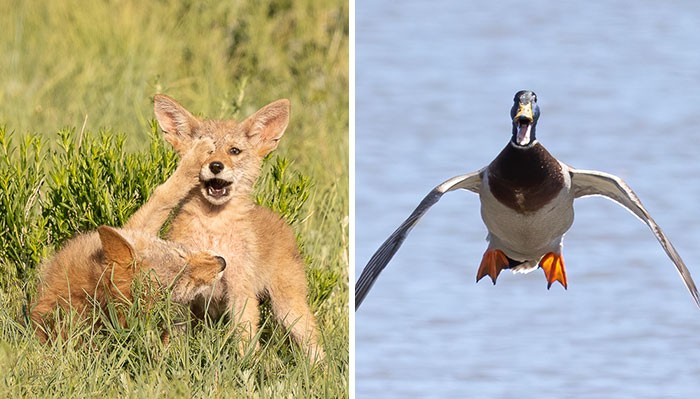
(525, 180)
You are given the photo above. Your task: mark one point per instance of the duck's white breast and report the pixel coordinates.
(527, 236)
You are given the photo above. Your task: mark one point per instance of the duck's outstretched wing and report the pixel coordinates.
(381, 258)
(590, 182)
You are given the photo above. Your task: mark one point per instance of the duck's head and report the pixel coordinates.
(524, 114)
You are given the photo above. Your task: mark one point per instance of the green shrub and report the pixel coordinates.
(22, 227)
(92, 181)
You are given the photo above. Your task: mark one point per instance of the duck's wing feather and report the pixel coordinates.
(381, 258)
(590, 182)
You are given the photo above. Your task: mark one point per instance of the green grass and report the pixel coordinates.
(76, 82)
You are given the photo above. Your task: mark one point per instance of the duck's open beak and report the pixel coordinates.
(523, 120)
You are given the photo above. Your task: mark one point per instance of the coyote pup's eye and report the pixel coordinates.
(234, 151)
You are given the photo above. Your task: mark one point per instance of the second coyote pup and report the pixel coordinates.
(95, 267)
(261, 250)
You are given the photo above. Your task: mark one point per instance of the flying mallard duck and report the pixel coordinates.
(527, 199)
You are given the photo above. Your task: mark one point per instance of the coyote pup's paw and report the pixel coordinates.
(194, 158)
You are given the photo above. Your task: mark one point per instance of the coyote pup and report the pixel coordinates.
(221, 215)
(94, 267)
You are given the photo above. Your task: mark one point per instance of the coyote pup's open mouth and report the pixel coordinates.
(217, 188)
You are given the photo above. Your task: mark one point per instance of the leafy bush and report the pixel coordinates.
(93, 181)
(21, 225)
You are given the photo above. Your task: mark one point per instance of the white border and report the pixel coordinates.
(351, 193)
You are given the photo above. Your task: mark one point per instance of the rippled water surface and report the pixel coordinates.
(619, 88)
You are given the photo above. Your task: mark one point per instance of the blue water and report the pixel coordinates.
(618, 84)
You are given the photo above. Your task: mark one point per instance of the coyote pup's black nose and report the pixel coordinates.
(216, 167)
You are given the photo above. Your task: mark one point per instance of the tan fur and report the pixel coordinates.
(262, 251)
(94, 267)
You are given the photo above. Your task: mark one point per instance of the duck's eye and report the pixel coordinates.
(234, 151)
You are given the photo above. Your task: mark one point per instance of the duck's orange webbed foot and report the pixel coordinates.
(492, 263)
(553, 266)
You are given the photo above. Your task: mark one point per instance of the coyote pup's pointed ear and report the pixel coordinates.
(177, 123)
(116, 247)
(268, 124)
